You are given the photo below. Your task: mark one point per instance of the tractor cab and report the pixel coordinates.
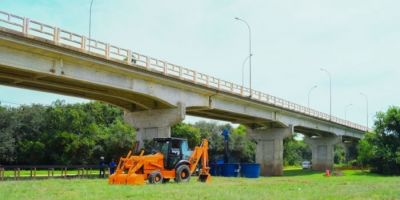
(173, 149)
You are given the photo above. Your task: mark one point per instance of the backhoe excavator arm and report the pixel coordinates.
(201, 153)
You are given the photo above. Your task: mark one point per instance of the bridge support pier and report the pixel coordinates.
(322, 149)
(269, 151)
(154, 123)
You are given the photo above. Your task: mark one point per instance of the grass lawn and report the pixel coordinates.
(296, 184)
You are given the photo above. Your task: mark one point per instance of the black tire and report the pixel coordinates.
(182, 174)
(155, 178)
(165, 180)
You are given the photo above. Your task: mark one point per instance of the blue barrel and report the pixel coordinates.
(250, 170)
(230, 169)
(213, 169)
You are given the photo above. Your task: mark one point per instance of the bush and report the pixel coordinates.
(381, 149)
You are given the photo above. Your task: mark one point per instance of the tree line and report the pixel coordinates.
(80, 133)
(63, 133)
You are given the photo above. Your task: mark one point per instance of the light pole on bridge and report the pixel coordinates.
(243, 65)
(345, 110)
(366, 99)
(330, 92)
(309, 93)
(250, 53)
(90, 22)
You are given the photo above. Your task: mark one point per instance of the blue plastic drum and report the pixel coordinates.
(250, 170)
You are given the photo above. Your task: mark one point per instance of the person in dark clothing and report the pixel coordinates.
(112, 166)
(102, 167)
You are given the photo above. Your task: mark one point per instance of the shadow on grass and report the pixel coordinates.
(371, 174)
(299, 172)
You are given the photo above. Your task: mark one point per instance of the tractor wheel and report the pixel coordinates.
(155, 178)
(182, 174)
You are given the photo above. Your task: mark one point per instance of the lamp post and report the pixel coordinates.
(250, 54)
(243, 65)
(345, 110)
(309, 93)
(366, 100)
(90, 22)
(330, 92)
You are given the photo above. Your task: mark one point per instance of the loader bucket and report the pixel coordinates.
(135, 179)
(120, 179)
(205, 177)
(111, 179)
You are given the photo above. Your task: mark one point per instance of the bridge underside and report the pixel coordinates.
(55, 84)
(233, 117)
(309, 132)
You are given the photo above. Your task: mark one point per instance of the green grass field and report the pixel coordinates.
(296, 184)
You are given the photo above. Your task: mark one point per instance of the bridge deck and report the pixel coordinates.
(38, 31)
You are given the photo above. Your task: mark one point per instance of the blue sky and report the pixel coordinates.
(357, 41)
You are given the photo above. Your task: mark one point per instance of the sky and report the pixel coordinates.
(356, 41)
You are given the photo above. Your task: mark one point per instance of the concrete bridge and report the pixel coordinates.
(156, 94)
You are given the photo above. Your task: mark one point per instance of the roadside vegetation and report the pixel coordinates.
(74, 134)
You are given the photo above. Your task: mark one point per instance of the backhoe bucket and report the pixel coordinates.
(120, 179)
(111, 179)
(205, 177)
(135, 179)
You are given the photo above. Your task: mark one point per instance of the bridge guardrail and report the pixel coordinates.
(58, 36)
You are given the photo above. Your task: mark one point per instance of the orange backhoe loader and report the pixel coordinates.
(171, 158)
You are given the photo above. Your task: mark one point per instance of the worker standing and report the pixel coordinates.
(112, 166)
(102, 166)
(225, 133)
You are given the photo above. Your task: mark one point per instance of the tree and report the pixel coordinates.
(381, 149)
(295, 151)
(7, 140)
(242, 148)
(191, 133)
(63, 133)
(339, 154)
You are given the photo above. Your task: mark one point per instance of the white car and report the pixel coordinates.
(306, 165)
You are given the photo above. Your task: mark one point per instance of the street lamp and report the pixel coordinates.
(90, 22)
(250, 54)
(243, 65)
(366, 100)
(345, 110)
(330, 92)
(309, 93)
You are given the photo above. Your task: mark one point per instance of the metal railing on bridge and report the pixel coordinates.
(36, 30)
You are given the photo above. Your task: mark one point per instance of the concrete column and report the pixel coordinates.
(322, 149)
(269, 151)
(154, 123)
